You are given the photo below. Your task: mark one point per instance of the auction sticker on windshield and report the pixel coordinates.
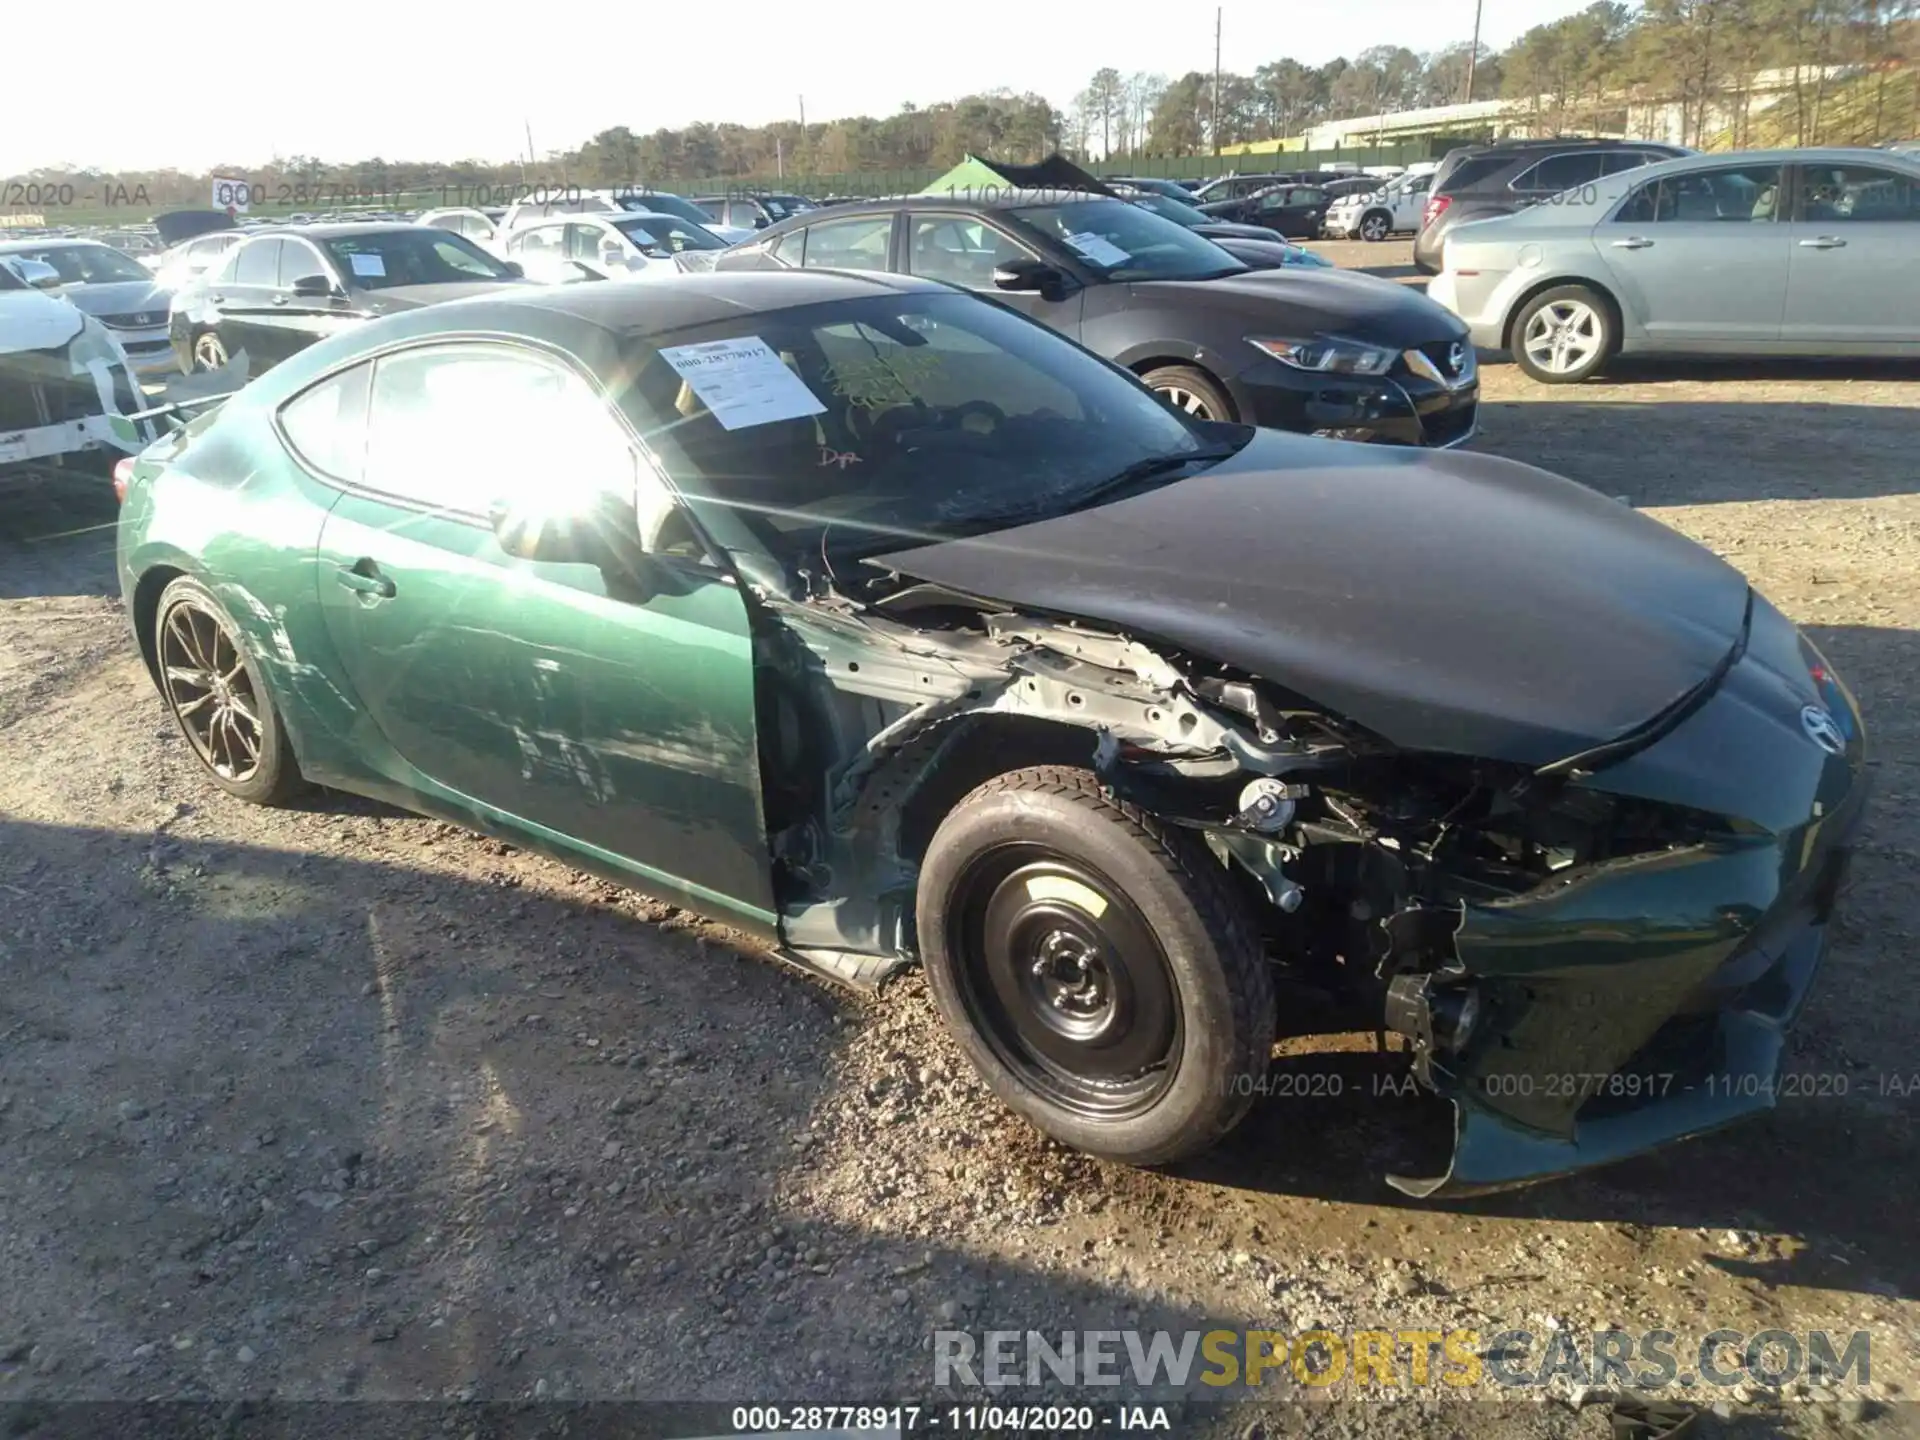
(365, 264)
(1098, 249)
(743, 382)
(13, 447)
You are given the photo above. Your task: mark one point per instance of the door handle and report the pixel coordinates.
(279, 299)
(363, 577)
(218, 299)
(1824, 242)
(1632, 242)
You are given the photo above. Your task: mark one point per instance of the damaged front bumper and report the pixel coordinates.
(1644, 1004)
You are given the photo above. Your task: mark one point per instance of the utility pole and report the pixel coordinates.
(800, 150)
(529, 125)
(1473, 55)
(1216, 79)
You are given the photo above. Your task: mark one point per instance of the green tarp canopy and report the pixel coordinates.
(1056, 172)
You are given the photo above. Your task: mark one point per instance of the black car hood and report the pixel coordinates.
(1448, 602)
(177, 226)
(1319, 301)
(1232, 230)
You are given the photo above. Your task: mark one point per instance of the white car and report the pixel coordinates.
(115, 289)
(1393, 209)
(623, 245)
(64, 378)
(464, 220)
(616, 202)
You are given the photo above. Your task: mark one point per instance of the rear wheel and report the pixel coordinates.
(1564, 335)
(1191, 390)
(1375, 226)
(217, 699)
(1095, 967)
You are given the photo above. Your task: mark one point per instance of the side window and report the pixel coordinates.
(435, 435)
(583, 243)
(714, 210)
(1853, 193)
(1560, 172)
(743, 213)
(790, 248)
(1739, 193)
(259, 263)
(475, 228)
(856, 244)
(297, 261)
(326, 424)
(1619, 160)
(538, 242)
(957, 250)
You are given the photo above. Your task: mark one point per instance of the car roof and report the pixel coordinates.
(51, 242)
(340, 229)
(697, 298)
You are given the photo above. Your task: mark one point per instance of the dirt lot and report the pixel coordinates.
(336, 1103)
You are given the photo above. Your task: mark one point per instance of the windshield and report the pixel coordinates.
(1187, 215)
(666, 205)
(1120, 241)
(660, 235)
(382, 259)
(89, 264)
(878, 423)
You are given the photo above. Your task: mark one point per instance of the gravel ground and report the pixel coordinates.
(337, 1103)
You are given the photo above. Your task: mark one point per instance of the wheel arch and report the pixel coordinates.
(986, 745)
(1601, 291)
(1158, 361)
(144, 608)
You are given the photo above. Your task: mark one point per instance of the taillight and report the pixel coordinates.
(1436, 207)
(122, 477)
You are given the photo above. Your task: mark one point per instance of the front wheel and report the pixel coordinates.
(1191, 390)
(1564, 335)
(1095, 966)
(1376, 226)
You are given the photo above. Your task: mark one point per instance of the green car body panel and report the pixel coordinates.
(778, 758)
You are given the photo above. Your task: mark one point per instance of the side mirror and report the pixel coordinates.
(515, 269)
(1030, 276)
(312, 287)
(38, 274)
(760, 222)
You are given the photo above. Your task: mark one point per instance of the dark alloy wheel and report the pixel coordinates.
(217, 699)
(1096, 966)
(1065, 980)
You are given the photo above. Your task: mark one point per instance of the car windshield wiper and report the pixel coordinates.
(1141, 472)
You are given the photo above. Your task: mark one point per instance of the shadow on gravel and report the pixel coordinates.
(56, 535)
(1690, 452)
(408, 1135)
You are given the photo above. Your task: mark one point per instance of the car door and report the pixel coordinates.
(541, 250)
(304, 319)
(1854, 272)
(1700, 257)
(607, 715)
(965, 250)
(242, 303)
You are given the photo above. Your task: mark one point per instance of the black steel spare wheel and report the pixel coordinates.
(216, 697)
(1065, 980)
(1095, 966)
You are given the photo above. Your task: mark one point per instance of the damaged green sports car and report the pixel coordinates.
(876, 619)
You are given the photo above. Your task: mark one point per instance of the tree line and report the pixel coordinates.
(1584, 71)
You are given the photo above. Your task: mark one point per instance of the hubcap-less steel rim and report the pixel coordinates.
(1188, 401)
(211, 354)
(210, 691)
(1562, 337)
(1065, 980)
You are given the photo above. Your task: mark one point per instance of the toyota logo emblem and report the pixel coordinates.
(1823, 729)
(1456, 357)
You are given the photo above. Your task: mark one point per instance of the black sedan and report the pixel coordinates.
(282, 289)
(892, 628)
(1328, 352)
(1291, 210)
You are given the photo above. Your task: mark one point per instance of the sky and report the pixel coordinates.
(412, 81)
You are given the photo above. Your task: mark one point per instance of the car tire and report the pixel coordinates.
(213, 690)
(1191, 391)
(1095, 966)
(1564, 335)
(1375, 226)
(209, 352)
